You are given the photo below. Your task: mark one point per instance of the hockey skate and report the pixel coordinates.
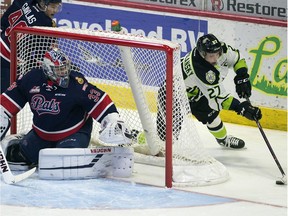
(231, 142)
(10, 144)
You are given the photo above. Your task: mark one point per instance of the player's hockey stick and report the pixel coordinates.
(282, 180)
(8, 177)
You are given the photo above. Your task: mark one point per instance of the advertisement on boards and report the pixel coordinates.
(186, 4)
(184, 31)
(255, 8)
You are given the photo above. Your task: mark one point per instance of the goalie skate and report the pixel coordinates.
(7, 145)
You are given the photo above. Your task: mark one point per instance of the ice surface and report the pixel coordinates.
(100, 194)
(251, 190)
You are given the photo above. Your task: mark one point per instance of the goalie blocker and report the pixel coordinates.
(83, 163)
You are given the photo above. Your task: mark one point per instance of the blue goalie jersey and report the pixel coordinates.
(57, 112)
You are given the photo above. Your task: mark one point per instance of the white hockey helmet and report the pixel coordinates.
(56, 66)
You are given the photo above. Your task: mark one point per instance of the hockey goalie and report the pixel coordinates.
(64, 105)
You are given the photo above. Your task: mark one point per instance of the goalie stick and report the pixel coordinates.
(8, 176)
(283, 180)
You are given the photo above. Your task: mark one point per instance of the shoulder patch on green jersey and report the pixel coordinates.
(210, 76)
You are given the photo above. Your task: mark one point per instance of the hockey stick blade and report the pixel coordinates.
(8, 176)
(282, 181)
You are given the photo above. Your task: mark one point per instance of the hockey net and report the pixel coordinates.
(143, 77)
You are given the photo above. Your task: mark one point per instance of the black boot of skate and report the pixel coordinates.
(231, 142)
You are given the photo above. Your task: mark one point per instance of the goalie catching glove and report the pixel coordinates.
(5, 122)
(250, 112)
(114, 132)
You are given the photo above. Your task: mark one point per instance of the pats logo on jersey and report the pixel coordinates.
(43, 106)
(210, 76)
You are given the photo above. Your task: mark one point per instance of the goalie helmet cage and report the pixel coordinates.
(144, 79)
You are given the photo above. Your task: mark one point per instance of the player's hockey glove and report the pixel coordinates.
(243, 85)
(4, 122)
(247, 110)
(114, 132)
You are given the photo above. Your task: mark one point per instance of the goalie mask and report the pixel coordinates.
(208, 44)
(56, 66)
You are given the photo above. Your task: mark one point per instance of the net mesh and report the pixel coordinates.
(115, 66)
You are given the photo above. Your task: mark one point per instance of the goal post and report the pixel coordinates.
(143, 77)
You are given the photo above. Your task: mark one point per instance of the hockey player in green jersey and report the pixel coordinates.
(204, 69)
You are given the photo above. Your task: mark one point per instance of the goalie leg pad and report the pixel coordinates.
(85, 163)
(123, 162)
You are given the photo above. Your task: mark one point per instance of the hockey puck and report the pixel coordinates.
(279, 182)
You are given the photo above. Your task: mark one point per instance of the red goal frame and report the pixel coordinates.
(169, 76)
